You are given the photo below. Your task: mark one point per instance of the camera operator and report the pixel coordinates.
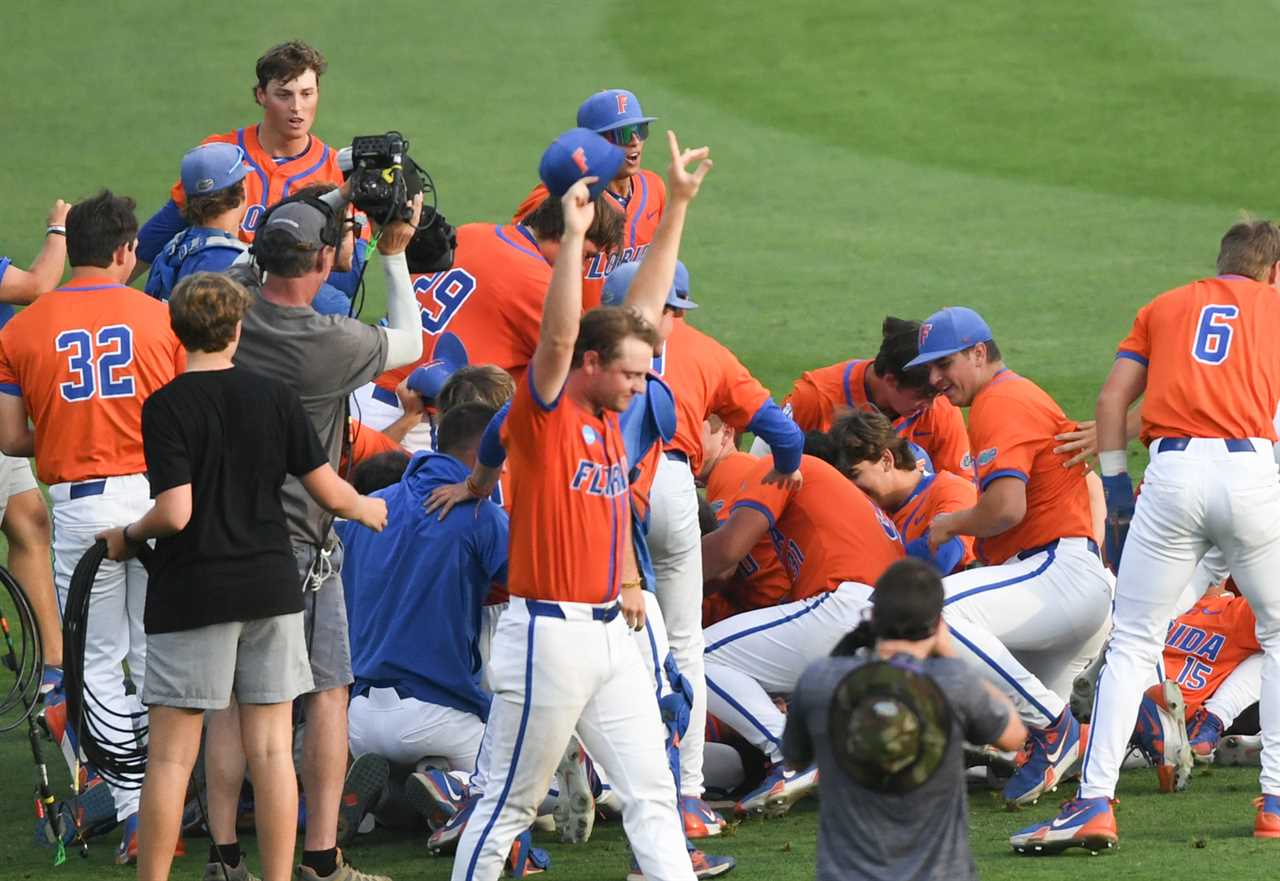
(323, 358)
(886, 718)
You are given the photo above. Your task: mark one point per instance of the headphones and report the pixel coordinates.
(330, 235)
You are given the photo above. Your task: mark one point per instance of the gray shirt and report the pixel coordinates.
(323, 358)
(921, 835)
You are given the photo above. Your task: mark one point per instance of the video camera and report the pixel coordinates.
(384, 179)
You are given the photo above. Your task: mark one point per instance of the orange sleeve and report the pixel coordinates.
(1137, 345)
(8, 376)
(1241, 626)
(367, 442)
(956, 495)
(738, 394)
(805, 405)
(531, 201)
(765, 498)
(1003, 444)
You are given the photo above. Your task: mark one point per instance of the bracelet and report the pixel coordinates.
(56, 230)
(125, 532)
(475, 490)
(631, 585)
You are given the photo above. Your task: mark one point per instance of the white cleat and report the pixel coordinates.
(575, 810)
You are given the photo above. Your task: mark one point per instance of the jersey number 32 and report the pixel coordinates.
(97, 362)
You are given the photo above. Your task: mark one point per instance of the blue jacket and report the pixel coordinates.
(414, 590)
(195, 249)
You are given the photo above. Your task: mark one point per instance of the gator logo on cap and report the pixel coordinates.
(622, 104)
(580, 160)
(925, 330)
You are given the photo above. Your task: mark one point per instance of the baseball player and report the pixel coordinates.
(886, 385)
(833, 543)
(880, 462)
(706, 378)
(562, 657)
(490, 299)
(79, 362)
(281, 151)
(1203, 359)
(1043, 594)
(212, 181)
(639, 195)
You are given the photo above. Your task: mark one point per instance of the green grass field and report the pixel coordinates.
(1053, 165)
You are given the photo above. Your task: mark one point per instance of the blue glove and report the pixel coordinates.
(1118, 489)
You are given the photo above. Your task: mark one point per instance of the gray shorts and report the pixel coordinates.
(15, 477)
(260, 662)
(325, 608)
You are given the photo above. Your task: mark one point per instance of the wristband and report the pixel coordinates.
(125, 532)
(56, 230)
(472, 488)
(1112, 462)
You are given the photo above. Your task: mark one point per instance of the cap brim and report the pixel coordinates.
(607, 173)
(450, 349)
(681, 304)
(633, 121)
(929, 358)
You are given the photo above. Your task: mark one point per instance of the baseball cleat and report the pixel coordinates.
(1082, 822)
(436, 795)
(1267, 823)
(525, 859)
(365, 781)
(1239, 749)
(1051, 755)
(700, 821)
(445, 839)
(127, 852)
(1204, 731)
(1161, 734)
(704, 866)
(779, 791)
(1003, 763)
(575, 809)
(1084, 686)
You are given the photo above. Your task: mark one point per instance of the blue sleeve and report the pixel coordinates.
(779, 431)
(156, 232)
(346, 281)
(495, 548)
(4, 265)
(492, 453)
(331, 301)
(946, 559)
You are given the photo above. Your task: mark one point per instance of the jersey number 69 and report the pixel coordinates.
(96, 362)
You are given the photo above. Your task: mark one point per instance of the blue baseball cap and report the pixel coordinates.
(610, 109)
(212, 167)
(447, 358)
(576, 154)
(618, 282)
(948, 331)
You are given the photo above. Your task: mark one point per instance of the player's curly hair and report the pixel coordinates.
(288, 61)
(863, 437)
(204, 310)
(605, 232)
(199, 210)
(605, 327)
(478, 383)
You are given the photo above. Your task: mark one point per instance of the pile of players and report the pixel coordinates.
(539, 419)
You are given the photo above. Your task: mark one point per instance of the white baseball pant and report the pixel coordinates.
(1210, 492)
(115, 634)
(1240, 690)
(675, 543)
(556, 667)
(489, 617)
(763, 652)
(406, 730)
(1032, 624)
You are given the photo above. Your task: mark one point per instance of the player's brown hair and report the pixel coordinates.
(99, 225)
(462, 427)
(863, 437)
(605, 327)
(199, 210)
(605, 232)
(288, 61)
(204, 310)
(1250, 248)
(899, 343)
(477, 384)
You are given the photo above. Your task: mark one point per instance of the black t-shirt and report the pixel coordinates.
(233, 435)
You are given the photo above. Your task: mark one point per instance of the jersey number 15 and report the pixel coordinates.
(96, 362)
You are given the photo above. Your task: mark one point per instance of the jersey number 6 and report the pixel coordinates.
(96, 362)
(1213, 334)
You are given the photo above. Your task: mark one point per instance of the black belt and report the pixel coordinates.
(676, 456)
(547, 609)
(1040, 549)
(1234, 444)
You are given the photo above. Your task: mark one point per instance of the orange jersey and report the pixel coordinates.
(366, 442)
(491, 300)
(269, 179)
(84, 358)
(1206, 643)
(936, 494)
(1213, 363)
(570, 508)
(825, 533)
(706, 378)
(1012, 423)
(643, 209)
(938, 429)
(759, 580)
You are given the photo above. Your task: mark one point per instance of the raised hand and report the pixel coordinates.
(683, 184)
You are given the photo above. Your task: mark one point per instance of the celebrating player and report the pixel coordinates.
(79, 362)
(1203, 359)
(638, 195)
(1043, 594)
(885, 384)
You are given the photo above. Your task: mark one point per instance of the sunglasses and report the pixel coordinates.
(622, 134)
